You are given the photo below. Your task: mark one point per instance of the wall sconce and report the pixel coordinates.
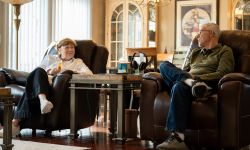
(16, 5)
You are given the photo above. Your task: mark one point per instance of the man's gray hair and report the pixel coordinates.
(214, 27)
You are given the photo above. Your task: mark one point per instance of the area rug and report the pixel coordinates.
(28, 145)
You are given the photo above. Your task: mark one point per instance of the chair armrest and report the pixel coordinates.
(235, 77)
(155, 77)
(61, 82)
(234, 104)
(69, 72)
(149, 89)
(15, 76)
(3, 79)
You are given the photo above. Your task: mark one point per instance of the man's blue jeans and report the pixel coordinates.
(180, 94)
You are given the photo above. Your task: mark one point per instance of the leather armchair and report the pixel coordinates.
(220, 120)
(95, 57)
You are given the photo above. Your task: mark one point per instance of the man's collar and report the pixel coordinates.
(205, 51)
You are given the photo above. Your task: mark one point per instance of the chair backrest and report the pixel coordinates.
(93, 55)
(239, 41)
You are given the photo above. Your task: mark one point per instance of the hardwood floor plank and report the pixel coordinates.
(96, 137)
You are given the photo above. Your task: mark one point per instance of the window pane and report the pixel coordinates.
(151, 26)
(246, 21)
(72, 19)
(114, 16)
(113, 51)
(119, 50)
(119, 8)
(113, 31)
(132, 7)
(134, 27)
(120, 17)
(120, 31)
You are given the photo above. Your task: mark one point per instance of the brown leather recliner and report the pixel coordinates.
(95, 57)
(221, 120)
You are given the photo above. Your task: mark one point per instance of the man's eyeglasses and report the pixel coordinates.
(205, 31)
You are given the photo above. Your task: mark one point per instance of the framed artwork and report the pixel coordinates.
(190, 15)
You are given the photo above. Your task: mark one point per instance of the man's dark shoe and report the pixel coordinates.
(199, 89)
(173, 142)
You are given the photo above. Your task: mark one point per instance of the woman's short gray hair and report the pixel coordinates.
(65, 41)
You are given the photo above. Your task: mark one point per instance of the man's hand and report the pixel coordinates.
(195, 77)
(192, 76)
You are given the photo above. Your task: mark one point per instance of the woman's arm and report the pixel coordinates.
(82, 68)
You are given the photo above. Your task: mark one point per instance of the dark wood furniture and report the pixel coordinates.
(6, 100)
(117, 84)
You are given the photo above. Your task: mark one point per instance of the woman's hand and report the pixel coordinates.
(54, 71)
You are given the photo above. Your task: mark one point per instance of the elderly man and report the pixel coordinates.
(205, 65)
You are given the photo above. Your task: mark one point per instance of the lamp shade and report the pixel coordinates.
(15, 2)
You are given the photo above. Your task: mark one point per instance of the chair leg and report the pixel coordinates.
(33, 132)
(48, 133)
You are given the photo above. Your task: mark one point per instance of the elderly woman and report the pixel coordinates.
(39, 82)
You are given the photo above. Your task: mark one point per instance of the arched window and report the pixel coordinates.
(124, 35)
(242, 15)
(116, 35)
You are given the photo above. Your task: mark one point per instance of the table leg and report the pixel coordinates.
(73, 131)
(113, 112)
(120, 115)
(7, 135)
(105, 110)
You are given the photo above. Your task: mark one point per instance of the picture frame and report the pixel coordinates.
(190, 15)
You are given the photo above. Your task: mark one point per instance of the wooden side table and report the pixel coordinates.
(116, 83)
(7, 101)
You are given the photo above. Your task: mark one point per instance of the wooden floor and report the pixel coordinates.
(96, 138)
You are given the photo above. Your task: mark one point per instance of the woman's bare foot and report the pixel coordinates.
(15, 128)
(15, 122)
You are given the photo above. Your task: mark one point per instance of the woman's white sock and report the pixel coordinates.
(45, 105)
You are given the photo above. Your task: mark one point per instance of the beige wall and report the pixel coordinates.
(98, 27)
(167, 23)
(2, 36)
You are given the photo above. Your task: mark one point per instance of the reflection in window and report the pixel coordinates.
(116, 35)
(151, 26)
(134, 27)
(242, 15)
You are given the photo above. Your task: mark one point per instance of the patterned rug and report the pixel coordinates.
(28, 145)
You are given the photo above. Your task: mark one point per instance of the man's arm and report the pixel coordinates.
(193, 45)
(225, 66)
